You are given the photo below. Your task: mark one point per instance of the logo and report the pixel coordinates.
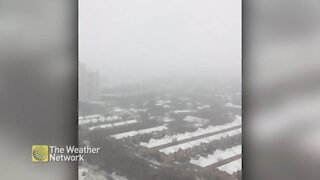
(40, 153)
(49, 153)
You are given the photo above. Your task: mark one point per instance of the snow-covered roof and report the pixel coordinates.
(125, 123)
(195, 119)
(217, 156)
(89, 119)
(113, 118)
(233, 106)
(131, 121)
(95, 118)
(232, 167)
(135, 110)
(205, 106)
(92, 116)
(117, 110)
(162, 102)
(167, 119)
(183, 111)
(119, 123)
(92, 173)
(97, 102)
(198, 142)
(178, 137)
(142, 131)
(110, 125)
(102, 126)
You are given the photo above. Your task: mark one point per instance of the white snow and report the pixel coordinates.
(92, 116)
(178, 137)
(232, 167)
(131, 121)
(195, 119)
(217, 156)
(142, 131)
(93, 173)
(86, 173)
(135, 110)
(198, 142)
(113, 118)
(183, 111)
(233, 106)
(167, 119)
(117, 110)
(89, 119)
(95, 118)
(117, 177)
(162, 102)
(110, 125)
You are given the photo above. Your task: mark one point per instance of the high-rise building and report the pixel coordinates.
(89, 87)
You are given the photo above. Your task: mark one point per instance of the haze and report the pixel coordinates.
(138, 40)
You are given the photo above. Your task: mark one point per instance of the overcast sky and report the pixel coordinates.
(132, 40)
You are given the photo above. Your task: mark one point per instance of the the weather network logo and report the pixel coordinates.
(40, 153)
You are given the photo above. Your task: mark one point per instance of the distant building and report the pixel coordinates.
(89, 87)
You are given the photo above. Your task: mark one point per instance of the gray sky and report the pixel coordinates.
(132, 40)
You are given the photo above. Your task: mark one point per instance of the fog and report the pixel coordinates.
(130, 41)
